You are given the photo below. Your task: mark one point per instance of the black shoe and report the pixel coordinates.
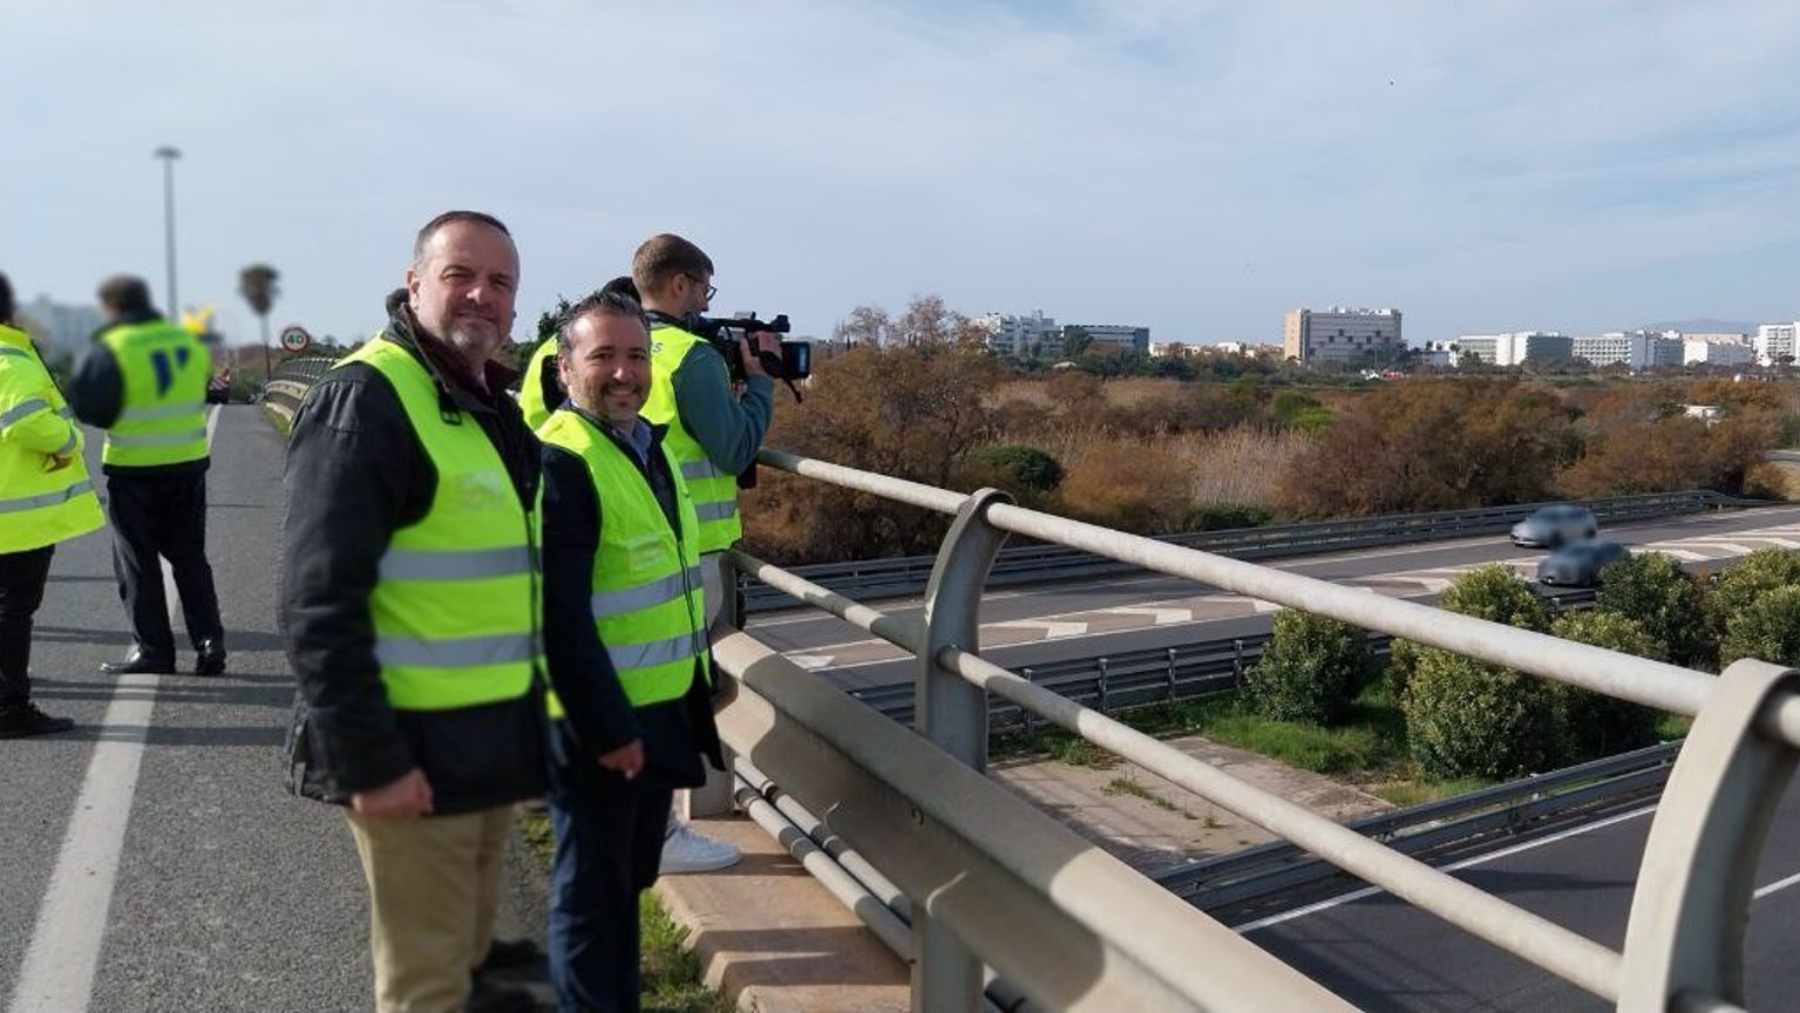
(509, 953)
(485, 997)
(137, 662)
(23, 720)
(212, 658)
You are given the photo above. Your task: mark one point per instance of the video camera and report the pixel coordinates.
(794, 362)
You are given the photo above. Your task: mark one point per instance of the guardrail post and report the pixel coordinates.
(953, 713)
(1692, 903)
(1103, 688)
(1171, 675)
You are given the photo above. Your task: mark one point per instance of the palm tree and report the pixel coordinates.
(258, 284)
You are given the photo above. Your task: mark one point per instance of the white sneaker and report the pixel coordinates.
(686, 851)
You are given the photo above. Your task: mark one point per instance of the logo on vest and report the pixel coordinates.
(479, 490)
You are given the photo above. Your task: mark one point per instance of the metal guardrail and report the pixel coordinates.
(906, 575)
(1121, 680)
(980, 867)
(287, 385)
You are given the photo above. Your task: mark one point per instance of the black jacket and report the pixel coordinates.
(97, 395)
(676, 733)
(356, 472)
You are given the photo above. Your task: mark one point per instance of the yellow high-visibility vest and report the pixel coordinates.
(163, 419)
(38, 506)
(648, 604)
(715, 492)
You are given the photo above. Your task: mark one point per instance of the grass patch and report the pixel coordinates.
(671, 972)
(1673, 726)
(1368, 749)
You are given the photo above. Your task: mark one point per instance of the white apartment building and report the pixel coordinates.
(1703, 352)
(1635, 349)
(1340, 334)
(1034, 336)
(1773, 341)
(1515, 348)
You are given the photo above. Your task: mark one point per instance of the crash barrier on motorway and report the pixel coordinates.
(287, 385)
(906, 575)
(998, 906)
(984, 879)
(1120, 680)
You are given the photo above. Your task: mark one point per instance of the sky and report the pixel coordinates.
(1199, 168)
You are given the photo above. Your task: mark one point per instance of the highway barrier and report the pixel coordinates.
(1044, 562)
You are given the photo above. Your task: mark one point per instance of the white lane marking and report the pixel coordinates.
(1780, 884)
(58, 973)
(1468, 863)
(811, 662)
(1052, 630)
(1158, 616)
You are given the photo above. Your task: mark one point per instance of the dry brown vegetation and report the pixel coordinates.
(1158, 456)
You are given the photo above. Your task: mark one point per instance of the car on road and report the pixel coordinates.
(1579, 565)
(1552, 526)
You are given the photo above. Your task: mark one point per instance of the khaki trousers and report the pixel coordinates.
(434, 885)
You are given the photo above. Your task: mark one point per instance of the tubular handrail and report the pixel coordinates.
(1660, 957)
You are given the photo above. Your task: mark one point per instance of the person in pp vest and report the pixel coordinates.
(144, 382)
(412, 614)
(625, 619)
(713, 434)
(45, 497)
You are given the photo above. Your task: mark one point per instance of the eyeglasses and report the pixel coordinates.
(711, 290)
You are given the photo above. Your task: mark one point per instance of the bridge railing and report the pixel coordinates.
(991, 881)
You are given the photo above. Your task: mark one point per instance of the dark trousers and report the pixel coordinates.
(22, 579)
(162, 516)
(609, 837)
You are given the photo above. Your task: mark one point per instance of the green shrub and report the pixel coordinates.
(1735, 590)
(1595, 724)
(1311, 671)
(1028, 467)
(1469, 719)
(1653, 589)
(1224, 516)
(1768, 630)
(1499, 595)
(1465, 718)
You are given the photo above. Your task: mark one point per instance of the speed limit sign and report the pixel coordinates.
(294, 338)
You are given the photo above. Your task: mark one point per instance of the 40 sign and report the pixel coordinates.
(294, 339)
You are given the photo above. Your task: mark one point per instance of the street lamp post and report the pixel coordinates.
(169, 154)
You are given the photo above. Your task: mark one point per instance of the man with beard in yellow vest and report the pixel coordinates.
(45, 497)
(625, 621)
(413, 617)
(713, 433)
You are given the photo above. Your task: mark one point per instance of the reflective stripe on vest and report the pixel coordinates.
(455, 603)
(47, 499)
(648, 599)
(715, 493)
(165, 370)
(40, 503)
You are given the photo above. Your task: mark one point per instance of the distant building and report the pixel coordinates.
(1716, 337)
(1515, 348)
(1104, 337)
(1177, 349)
(1698, 351)
(1634, 349)
(1340, 334)
(1021, 337)
(1775, 341)
(63, 326)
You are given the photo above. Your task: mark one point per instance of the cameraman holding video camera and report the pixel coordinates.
(713, 433)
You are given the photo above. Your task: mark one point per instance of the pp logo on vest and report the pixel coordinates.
(165, 372)
(478, 490)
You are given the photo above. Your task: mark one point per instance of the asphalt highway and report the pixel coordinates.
(1033, 625)
(1384, 954)
(152, 859)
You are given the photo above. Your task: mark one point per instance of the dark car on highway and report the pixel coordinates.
(1552, 526)
(1579, 565)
